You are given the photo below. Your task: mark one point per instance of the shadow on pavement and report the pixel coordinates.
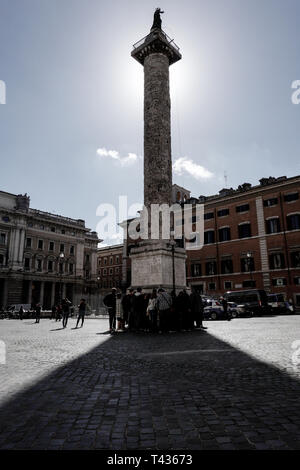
(141, 391)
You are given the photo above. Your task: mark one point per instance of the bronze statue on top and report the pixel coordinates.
(157, 19)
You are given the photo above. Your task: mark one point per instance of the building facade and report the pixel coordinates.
(43, 256)
(109, 268)
(251, 240)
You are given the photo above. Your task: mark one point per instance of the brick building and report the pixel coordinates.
(109, 267)
(44, 256)
(251, 240)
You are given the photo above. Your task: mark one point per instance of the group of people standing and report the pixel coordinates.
(63, 310)
(155, 312)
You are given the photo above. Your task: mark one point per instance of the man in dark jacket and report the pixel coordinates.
(188, 323)
(110, 302)
(21, 312)
(37, 313)
(225, 308)
(66, 311)
(81, 312)
(138, 309)
(128, 308)
(197, 308)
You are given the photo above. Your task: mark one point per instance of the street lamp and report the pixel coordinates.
(249, 263)
(61, 258)
(98, 293)
(172, 244)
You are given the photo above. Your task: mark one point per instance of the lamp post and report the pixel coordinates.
(172, 244)
(61, 258)
(98, 294)
(249, 262)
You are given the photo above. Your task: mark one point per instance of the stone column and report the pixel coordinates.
(52, 293)
(157, 131)
(29, 293)
(42, 288)
(5, 293)
(152, 260)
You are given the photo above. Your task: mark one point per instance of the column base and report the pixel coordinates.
(152, 266)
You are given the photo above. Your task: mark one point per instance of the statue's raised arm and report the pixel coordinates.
(157, 19)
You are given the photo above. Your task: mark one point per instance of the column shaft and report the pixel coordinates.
(157, 131)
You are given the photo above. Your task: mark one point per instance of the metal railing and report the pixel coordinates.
(143, 40)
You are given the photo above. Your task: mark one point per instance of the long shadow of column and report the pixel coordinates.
(176, 391)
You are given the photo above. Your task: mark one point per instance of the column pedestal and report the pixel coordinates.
(152, 266)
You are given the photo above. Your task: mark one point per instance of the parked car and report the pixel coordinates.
(250, 302)
(12, 311)
(213, 310)
(278, 304)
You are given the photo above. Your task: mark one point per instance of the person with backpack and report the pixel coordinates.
(152, 312)
(164, 304)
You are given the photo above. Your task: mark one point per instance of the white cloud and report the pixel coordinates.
(114, 239)
(185, 165)
(114, 154)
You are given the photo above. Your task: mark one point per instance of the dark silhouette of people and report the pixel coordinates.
(21, 312)
(225, 308)
(81, 312)
(139, 309)
(37, 313)
(128, 306)
(197, 308)
(152, 311)
(58, 313)
(187, 319)
(164, 304)
(53, 312)
(66, 311)
(110, 302)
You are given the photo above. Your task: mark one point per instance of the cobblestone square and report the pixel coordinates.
(233, 386)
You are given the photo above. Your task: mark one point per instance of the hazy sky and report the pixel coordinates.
(73, 89)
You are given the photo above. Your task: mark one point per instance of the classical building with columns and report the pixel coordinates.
(44, 256)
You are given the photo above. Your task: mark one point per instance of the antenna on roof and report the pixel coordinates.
(225, 178)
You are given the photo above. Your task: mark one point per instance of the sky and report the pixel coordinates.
(71, 131)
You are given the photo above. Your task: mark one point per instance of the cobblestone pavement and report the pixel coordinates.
(231, 387)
